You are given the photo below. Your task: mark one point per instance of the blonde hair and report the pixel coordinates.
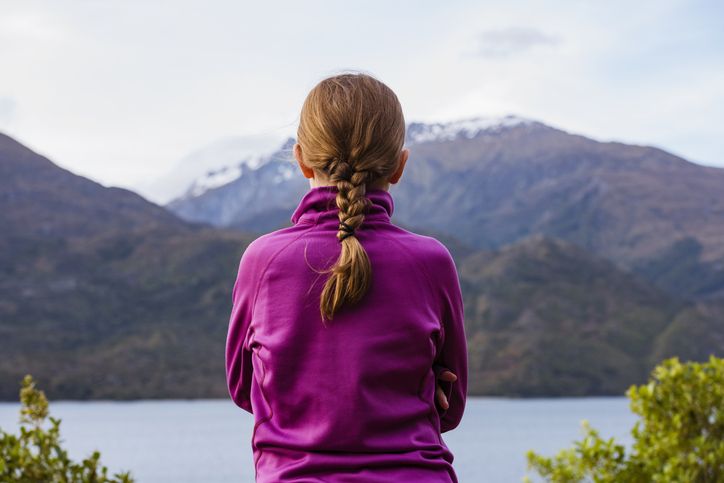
(352, 130)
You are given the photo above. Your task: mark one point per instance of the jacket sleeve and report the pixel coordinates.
(453, 352)
(239, 372)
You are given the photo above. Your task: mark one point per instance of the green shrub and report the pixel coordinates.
(36, 454)
(678, 438)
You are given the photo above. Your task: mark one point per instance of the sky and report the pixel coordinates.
(120, 91)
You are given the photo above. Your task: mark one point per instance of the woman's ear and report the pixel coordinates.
(307, 172)
(403, 159)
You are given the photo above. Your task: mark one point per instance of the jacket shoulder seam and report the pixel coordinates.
(268, 264)
(421, 266)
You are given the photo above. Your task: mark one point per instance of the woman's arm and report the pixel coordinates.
(453, 354)
(238, 352)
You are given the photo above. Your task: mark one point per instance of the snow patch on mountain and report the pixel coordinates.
(218, 177)
(216, 161)
(214, 179)
(468, 128)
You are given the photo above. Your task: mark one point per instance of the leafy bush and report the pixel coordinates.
(36, 455)
(679, 437)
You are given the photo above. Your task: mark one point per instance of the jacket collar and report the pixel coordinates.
(319, 203)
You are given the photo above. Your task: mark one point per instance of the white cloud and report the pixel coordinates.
(512, 40)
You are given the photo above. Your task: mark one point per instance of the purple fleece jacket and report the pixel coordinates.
(354, 401)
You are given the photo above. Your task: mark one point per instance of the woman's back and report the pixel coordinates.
(352, 401)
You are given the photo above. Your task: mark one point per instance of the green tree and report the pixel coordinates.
(679, 436)
(36, 454)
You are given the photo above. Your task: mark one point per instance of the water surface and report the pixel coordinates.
(209, 441)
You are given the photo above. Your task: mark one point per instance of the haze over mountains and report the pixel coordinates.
(582, 263)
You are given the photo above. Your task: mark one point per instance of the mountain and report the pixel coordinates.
(275, 178)
(545, 318)
(211, 161)
(106, 295)
(493, 181)
(630, 204)
(103, 294)
(225, 196)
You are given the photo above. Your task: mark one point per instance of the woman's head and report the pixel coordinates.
(351, 134)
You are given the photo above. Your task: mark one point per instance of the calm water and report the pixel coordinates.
(210, 440)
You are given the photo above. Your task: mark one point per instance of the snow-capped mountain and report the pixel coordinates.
(216, 178)
(232, 195)
(226, 195)
(229, 162)
(418, 132)
(212, 166)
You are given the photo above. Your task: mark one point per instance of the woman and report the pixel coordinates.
(346, 339)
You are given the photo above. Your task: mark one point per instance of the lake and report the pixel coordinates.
(209, 441)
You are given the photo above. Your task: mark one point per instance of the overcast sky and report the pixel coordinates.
(119, 91)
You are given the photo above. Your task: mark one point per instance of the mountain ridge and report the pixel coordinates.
(491, 181)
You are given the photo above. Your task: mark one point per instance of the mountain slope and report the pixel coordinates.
(630, 204)
(104, 294)
(34, 191)
(544, 317)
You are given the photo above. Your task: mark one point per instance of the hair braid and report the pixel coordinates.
(350, 277)
(351, 195)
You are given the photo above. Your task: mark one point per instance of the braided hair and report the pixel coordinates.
(351, 130)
